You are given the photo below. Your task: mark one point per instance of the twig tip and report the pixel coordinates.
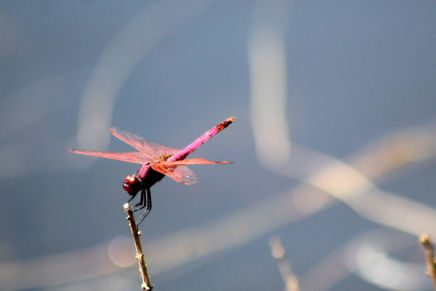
(424, 239)
(277, 250)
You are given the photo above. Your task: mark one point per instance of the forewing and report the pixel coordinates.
(134, 140)
(162, 150)
(181, 174)
(131, 157)
(198, 161)
(152, 150)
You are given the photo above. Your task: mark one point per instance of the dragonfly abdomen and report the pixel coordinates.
(201, 140)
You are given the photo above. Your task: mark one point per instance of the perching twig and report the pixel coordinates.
(278, 252)
(424, 239)
(146, 285)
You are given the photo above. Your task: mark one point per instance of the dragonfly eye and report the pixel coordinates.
(132, 185)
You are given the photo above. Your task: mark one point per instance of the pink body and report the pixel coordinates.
(144, 170)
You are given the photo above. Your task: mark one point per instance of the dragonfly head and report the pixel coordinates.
(132, 185)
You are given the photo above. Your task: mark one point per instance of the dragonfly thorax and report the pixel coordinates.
(132, 185)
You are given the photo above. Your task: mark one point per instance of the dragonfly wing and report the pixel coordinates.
(162, 150)
(198, 161)
(181, 174)
(153, 150)
(131, 157)
(133, 140)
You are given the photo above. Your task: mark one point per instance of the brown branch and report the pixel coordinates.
(424, 239)
(146, 285)
(278, 252)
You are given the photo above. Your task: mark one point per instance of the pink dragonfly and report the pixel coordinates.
(157, 161)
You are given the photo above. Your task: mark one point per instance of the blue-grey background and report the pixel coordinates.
(357, 70)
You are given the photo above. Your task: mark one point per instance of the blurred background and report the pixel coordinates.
(333, 146)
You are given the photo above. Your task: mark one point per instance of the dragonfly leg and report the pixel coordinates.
(148, 205)
(142, 202)
(131, 198)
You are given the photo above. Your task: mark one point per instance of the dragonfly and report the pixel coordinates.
(156, 162)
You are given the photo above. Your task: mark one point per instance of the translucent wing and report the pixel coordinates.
(181, 174)
(131, 157)
(198, 161)
(152, 150)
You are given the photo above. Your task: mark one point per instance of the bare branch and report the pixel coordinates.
(146, 285)
(424, 239)
(278, 252)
